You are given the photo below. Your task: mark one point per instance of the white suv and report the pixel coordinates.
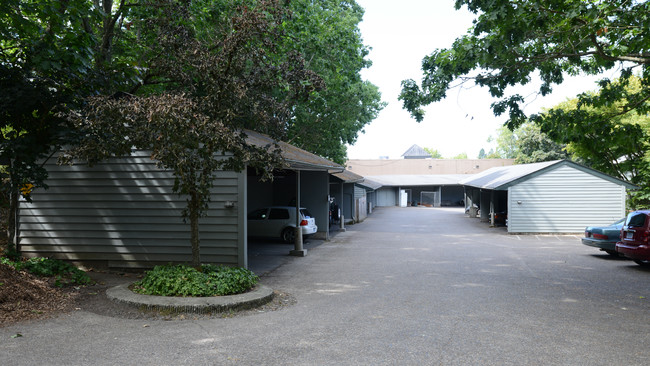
(280, 222)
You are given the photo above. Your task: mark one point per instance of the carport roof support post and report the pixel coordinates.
(492, 208)
(298, 250)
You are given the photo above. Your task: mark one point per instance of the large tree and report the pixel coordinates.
(435, 154)
(527, 144)
(47, 62)
(326, 32)
(224, 66)
(618, 145)
(513, 42)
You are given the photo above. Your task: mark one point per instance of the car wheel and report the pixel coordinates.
(288, 235)
(613, 253)
(642, 262)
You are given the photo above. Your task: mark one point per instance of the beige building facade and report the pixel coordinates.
(373, 167)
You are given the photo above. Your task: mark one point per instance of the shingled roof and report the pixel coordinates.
(296, 158)
(348, 177)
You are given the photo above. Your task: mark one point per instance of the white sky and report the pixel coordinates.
(400, 34)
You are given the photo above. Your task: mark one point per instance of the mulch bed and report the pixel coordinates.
(24, 296)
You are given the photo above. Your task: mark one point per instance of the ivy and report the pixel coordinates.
(184, 281)
(64, 273)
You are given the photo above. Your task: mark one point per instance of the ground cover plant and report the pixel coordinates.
(207, 280)
(61, 272)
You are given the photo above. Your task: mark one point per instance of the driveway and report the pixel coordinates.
(409, 286)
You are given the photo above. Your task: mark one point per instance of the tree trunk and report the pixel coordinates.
(11, 222)
(194, 228)
(12, 248)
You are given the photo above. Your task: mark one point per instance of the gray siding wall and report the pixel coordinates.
(359, 192)
(563, 200)
(123, 213)
(386, 196)
(360, 203)
(314, 190)
(347, 204)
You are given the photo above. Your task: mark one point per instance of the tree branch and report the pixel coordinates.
(601, 52)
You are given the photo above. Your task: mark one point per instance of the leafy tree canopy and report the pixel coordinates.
(526, 144)
(38, 73)
(506, 144)
(48, 63)
(618, 145)
(326, 33)
(532, 146)
(211, 72)
(182, 79)
(435, 154)
(514, 41)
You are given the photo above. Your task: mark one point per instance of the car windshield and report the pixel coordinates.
(635, 219)
(305, 213)
(618, 222)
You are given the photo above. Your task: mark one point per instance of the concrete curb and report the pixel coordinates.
(260, 295)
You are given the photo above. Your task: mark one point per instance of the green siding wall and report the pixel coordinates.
(564, 200)
(123, 213)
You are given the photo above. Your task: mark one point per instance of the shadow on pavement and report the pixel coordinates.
(266, 255)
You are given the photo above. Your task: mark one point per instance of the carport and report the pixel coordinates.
(303, 183)
(371, 188)
(344, 195)
(412, 190)
(124, 213)
(550, 197)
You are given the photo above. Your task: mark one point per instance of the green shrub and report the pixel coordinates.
(182, 280)
(63, 273)
(8, 262)
(12, 254)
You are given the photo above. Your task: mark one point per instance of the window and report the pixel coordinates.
(278, 214)
(257, 214)
(636, 219)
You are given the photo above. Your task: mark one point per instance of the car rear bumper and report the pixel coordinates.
(602, 244)
(309, 230)
(634, 252)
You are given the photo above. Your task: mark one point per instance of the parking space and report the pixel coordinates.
(266, 255)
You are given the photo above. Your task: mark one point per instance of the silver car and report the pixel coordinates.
(280, 222)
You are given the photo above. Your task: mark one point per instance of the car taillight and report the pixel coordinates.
(600, 236)
(303, 223)
(645, 236)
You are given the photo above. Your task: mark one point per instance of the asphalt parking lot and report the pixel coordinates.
(409, 286)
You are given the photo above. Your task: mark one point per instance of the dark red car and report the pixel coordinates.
(635, 236)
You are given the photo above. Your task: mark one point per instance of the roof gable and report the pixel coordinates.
(416, 152)
(348, 177)
(503, 177)
(370, 184)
